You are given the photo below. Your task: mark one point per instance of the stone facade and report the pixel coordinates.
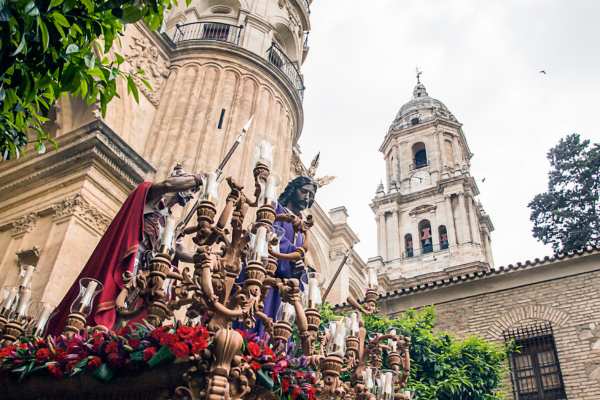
(429, 220)
(562, 291)
(217, 63)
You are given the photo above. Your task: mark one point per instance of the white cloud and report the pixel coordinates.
(482, 60)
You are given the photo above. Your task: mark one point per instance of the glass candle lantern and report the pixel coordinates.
(10, 301)
(88, 290)
(270, 197)
(372, 277)
(211, 190)
(286, 313)
(27, 275)
(314, 292)
(264, 153)
(42, 314)
(168, 233)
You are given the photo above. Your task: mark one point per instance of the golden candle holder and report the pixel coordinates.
(313, 318)
(394, 360)
(271, 266)
(265, 215)
(282, 331)
(75, 323)
(158, 311)
(14, 329)
(3, 322)
(352, 346)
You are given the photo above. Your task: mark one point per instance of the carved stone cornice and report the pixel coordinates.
(76, 205)
(23, 224)
(144, 55)
(94, 145)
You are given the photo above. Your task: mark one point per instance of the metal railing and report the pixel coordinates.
(207, 31)
(431, 248)
(278, 58)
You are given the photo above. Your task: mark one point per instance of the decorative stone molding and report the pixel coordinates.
(422, 209)
(590, 332)
(23, 224)
(529, 312)
(145, 56)
(78, 206)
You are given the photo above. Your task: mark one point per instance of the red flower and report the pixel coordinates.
(70, 365)
(255, 365)
(115, 360)
(199, 344)
(42, 355)
(112, 347)
(186, 332)
(269, 352)
(123, 331)
(135, 343)
(311, 392)
(97, 343)
(6, 351)
(148, 353)
(94, 362)
(285, 385)
(168, 339)
(55, 370)
(180, 349)
(60, 355)
(201, 331)
(296, 391)
(254, 349)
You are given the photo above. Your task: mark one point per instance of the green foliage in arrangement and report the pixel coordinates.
(51, 47)
(442, 366)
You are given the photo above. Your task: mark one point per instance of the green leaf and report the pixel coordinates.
(132, 88)
(104, 373)
(89, 60)
(146, 83)
(20, 47)
(83, 88)
(119, 58)
(31, 9)
(264, 379)
(161, 356)
(89, 5)
(55, 3)
(96, 73)
(72, 48)
(44, 31)
(60, 20)
(131, 14)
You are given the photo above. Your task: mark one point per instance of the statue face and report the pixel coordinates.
(303, 197)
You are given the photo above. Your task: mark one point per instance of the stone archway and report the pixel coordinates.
(529, 312)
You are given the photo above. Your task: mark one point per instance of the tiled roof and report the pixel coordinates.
(503, 270)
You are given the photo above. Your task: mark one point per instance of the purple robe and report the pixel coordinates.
(285, 269)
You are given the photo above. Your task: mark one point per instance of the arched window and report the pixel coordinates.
(443, 233)
(419, 155)
(425, 236)
(408, 245)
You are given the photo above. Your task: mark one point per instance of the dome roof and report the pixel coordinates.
(421, 108)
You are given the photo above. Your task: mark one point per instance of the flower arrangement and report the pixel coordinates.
(103, 353)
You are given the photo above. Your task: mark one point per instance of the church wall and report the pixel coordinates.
(564, 293)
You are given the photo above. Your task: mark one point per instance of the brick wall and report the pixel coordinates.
(571, 304)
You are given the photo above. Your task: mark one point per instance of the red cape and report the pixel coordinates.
(114, 254)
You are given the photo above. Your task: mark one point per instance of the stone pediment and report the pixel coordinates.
(425, 208)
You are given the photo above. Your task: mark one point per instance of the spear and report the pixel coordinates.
(335, 276)
(219, 171)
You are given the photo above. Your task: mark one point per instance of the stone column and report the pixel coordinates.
(393, 237)
(462, 222)
(381, 235)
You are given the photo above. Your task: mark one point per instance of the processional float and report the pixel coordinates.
(235, 266)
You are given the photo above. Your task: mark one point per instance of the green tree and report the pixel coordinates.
(51, 47)
(567, 216)
(443, 367)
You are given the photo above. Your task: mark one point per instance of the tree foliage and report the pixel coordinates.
(567, 216)
(443, 367)
(51, 47)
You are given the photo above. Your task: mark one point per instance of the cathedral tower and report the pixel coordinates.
(429, 223)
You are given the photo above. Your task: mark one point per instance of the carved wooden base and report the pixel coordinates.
(313, 318)
(282, 331)
(158, 311)
(13, 330)
(3, 322)
(75, 323)
(265, 215)
(394, 360)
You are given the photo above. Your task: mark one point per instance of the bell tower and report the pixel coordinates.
(429, 222)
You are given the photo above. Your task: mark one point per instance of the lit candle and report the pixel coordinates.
(168, 232)
(29, 269)
(89, 293)
(43, 319)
